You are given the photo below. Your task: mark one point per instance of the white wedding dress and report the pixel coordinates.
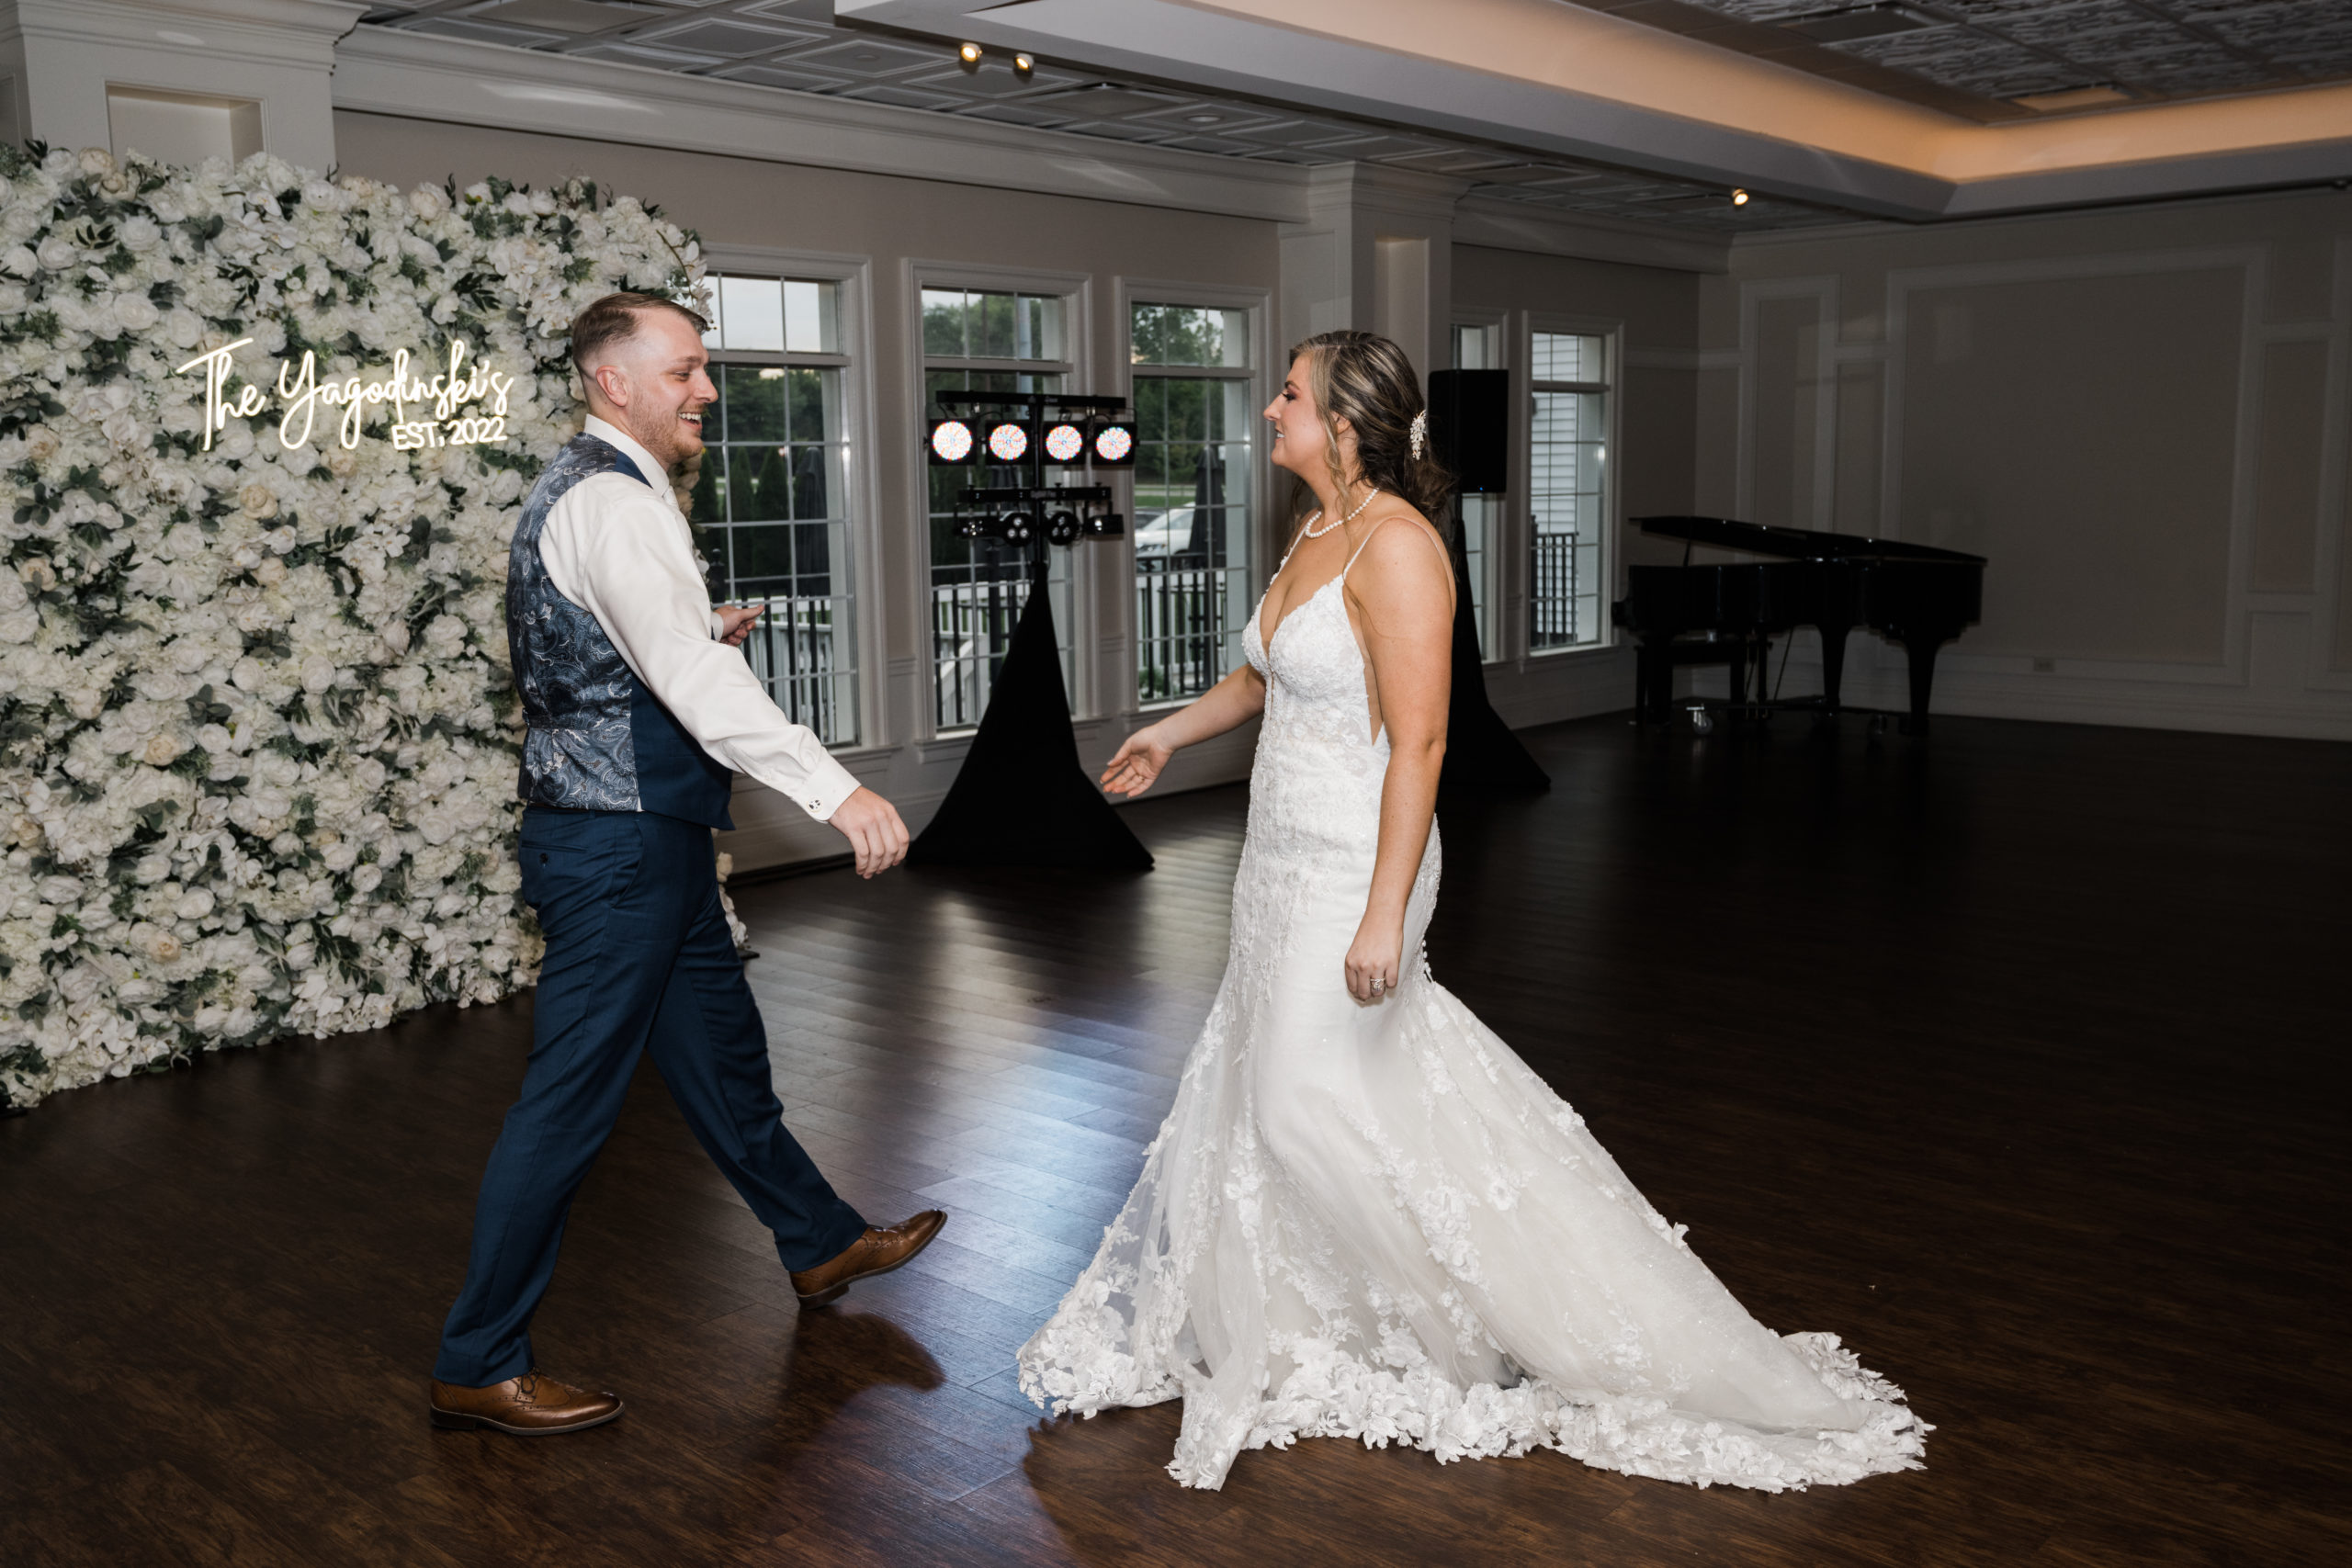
(1374, 1221)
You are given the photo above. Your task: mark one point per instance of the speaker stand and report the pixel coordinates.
(1020, 798)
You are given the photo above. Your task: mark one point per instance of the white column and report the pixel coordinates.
(181, 80)
(1375, 253)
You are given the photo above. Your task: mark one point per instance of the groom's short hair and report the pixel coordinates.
(612, 320)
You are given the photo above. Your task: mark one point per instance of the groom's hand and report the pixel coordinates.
(735, 623)
(875, 833)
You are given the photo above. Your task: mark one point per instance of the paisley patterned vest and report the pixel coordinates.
(598, 739)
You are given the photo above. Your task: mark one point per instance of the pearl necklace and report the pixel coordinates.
(1311, 532)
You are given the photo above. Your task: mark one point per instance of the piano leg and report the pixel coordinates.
(1922, 647)
(1833, 663)
(1738, 687)
(1654, 680)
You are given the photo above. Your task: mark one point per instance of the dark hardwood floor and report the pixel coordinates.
(2016, 1057)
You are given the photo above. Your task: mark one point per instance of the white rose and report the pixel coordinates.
(318, 673)
(162, 750)
(166, 948)
(367, 878)
(135, 313)
(138, 233)
(194, 905)
(257, 500)
(58, 254)
(19, 262)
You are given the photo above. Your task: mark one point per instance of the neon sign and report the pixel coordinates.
(467, 403)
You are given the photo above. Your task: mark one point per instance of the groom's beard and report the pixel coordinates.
(665, 437)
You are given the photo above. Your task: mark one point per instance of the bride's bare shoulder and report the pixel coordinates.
(1403, 559)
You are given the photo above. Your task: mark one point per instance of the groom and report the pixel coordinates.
(639, 713)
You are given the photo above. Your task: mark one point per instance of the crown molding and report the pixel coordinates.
(278, 32)
(416, 76)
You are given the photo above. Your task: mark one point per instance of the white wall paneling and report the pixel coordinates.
(273, 55)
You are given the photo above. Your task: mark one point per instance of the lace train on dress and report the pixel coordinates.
(1374, 1221)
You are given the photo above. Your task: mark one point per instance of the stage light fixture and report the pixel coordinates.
(1061, 528)
(967, 56)
(1065, 442)
(1022, 66)
(1007, 441)
(1739, 198)
(1105, 525)
(1014, 527)
(1115, 442)
(952, 441)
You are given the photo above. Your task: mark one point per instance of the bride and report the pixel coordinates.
(1364, 1216)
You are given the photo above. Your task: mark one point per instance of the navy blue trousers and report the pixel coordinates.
(639, 958)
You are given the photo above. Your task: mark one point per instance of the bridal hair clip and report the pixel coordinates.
(1421, 434)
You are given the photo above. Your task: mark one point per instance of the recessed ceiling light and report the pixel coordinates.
(1203, 119)
(1847, 23)
(1739, 198)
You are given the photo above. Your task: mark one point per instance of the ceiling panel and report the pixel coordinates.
(792, 46)
(1980, 57)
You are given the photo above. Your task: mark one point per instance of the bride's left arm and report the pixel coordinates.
(1403, 589)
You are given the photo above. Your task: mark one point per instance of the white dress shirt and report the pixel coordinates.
(621, 551)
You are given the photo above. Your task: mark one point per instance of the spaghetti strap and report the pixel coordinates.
(1376, 527)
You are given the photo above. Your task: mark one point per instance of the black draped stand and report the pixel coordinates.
(1482, 756)
(1022, 798)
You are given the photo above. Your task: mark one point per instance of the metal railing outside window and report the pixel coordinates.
(978, 340)
(1568, 489)
(1195, 448)
(770, 506)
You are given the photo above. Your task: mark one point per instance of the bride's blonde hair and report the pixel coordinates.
(1365, 380)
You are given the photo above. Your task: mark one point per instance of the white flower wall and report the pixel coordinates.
(257, 736)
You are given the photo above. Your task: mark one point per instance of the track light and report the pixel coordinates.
(1022, 65)
(968, 57)
(1739, 198)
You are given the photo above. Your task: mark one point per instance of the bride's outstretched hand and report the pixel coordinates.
(1138, 763)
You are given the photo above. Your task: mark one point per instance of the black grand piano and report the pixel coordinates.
(1913, 595)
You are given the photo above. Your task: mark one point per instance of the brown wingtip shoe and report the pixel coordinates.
(879, 1251)
(533, 1405)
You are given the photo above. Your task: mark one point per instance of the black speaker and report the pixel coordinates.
(1470, 427)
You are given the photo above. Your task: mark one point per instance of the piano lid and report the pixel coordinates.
(1798, 544)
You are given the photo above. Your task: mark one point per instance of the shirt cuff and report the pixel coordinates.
(828, 784)
(717, 626)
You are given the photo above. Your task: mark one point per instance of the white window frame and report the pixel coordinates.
(1077, 290)
(1611, 331)
(1259, 545)
(856, 331)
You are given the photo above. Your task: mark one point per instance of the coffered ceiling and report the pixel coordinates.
(794, 45)
(2002, 59)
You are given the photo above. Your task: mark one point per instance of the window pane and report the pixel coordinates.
(1477, 348)
(811, 318)
(752, 308)
(1568, 356)
(1567, 495)
(942, 321)
(1187, 334)
(993, 328)
(753, 395)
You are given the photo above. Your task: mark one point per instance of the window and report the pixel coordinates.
(770, 509)
(1195, 428)
(1569, 488)
(979, 340)
(1479, 347)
